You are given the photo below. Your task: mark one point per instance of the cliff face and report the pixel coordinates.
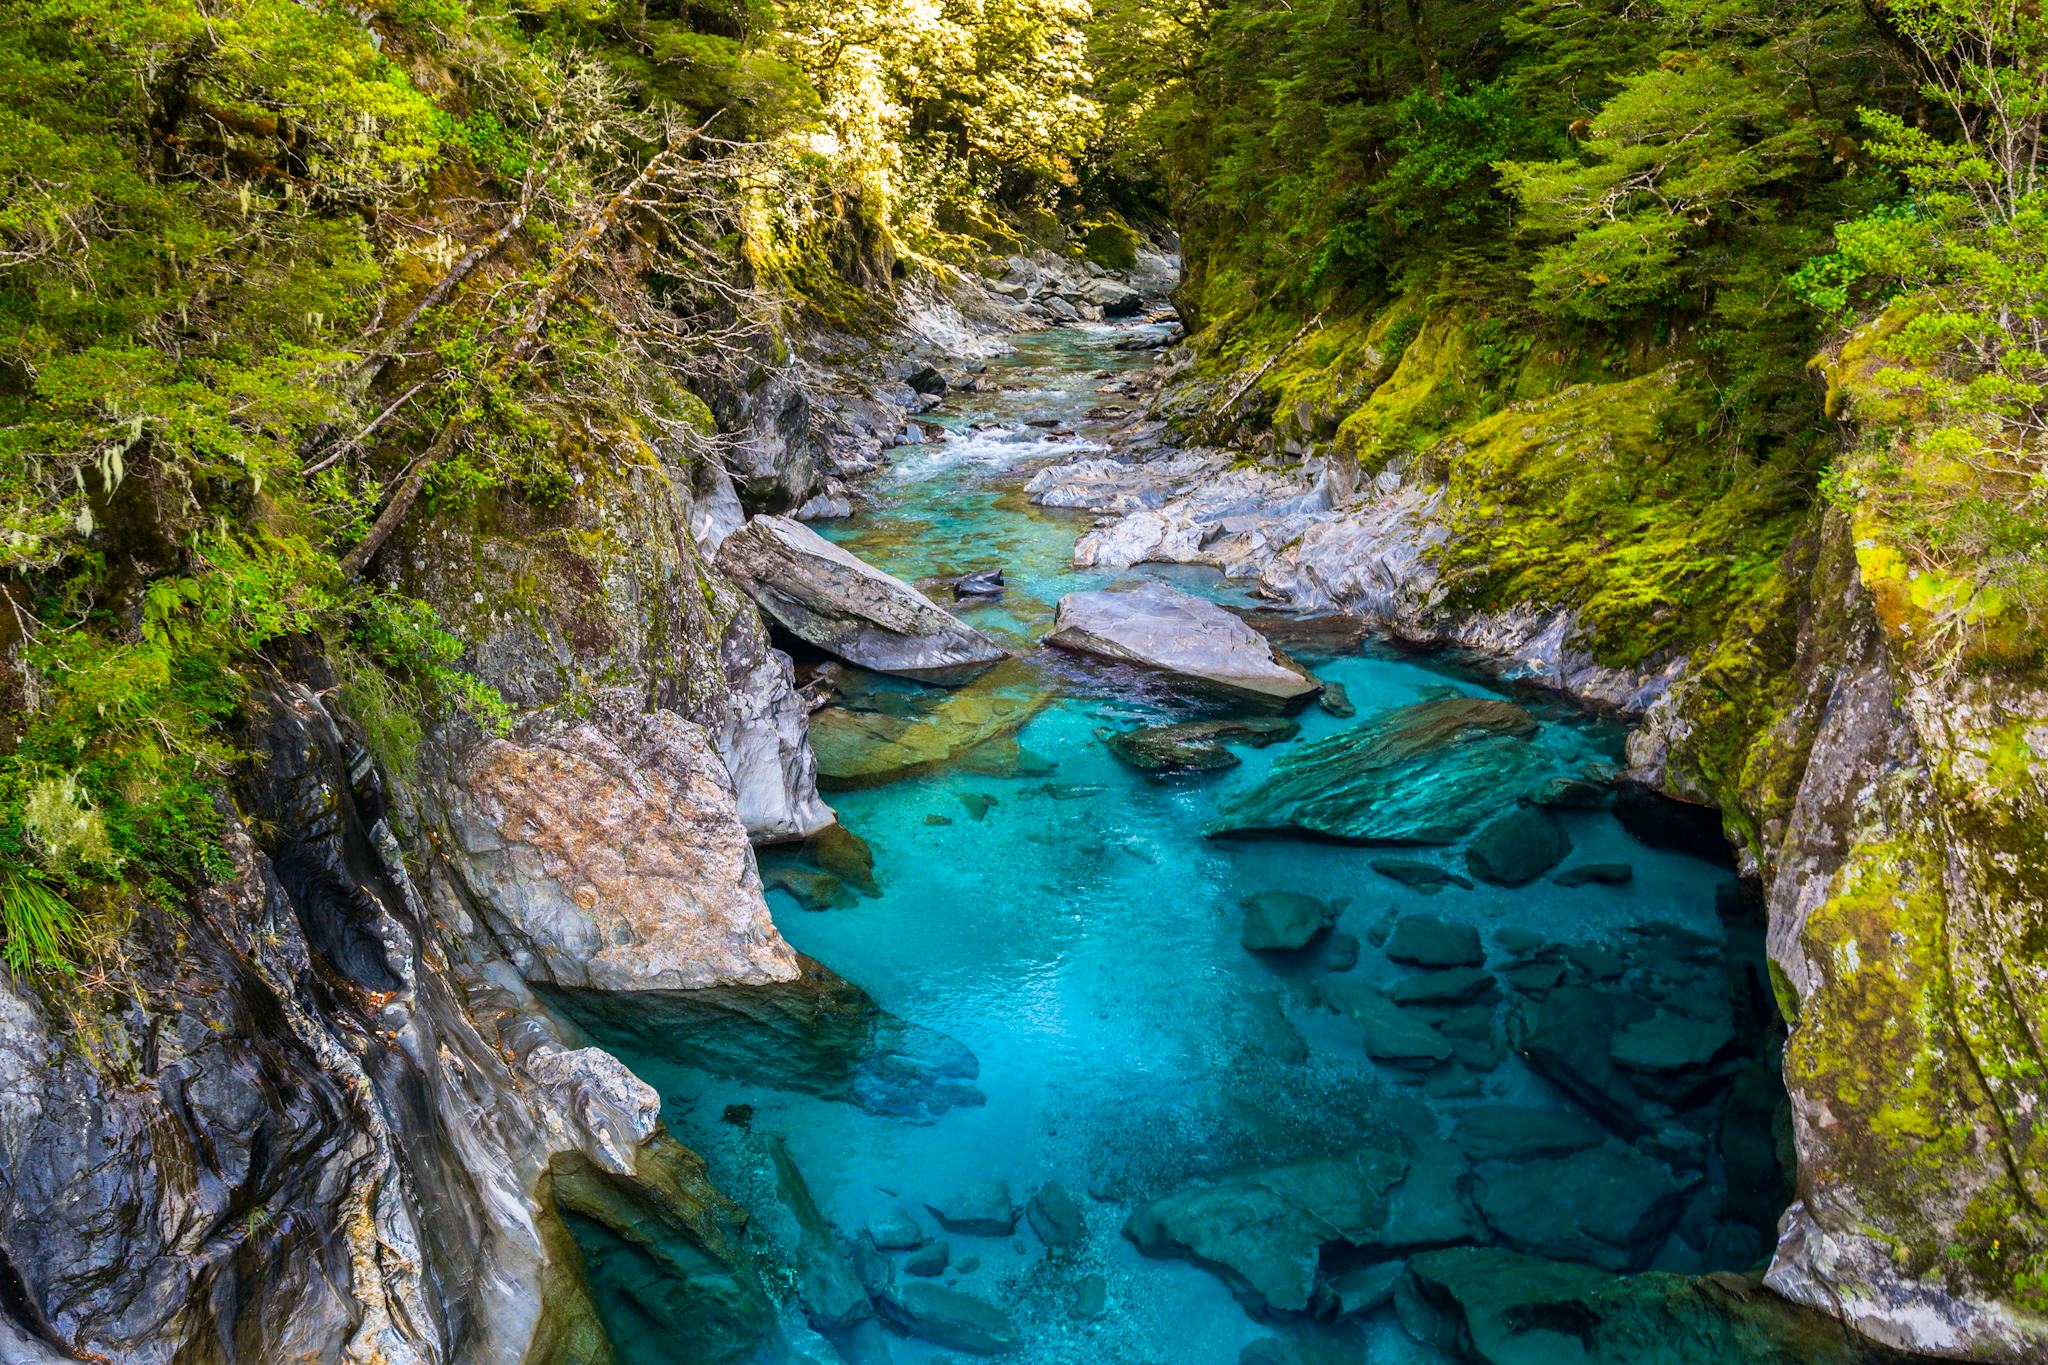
(322, 1125)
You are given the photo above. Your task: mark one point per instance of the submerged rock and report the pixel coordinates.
(867, 746)
(1392, 1034)
(1519, 1133)
(831, 1291)
(928, 1260)
(1419, 876)
(1426, 941)
(818, 1035)
(1191, 639)
(1091, 1298)
(1498, 1307)
(1594, 874)
(1283, 921)
(951, 1319)
(1609, 1205)
(1263, 1232)
(1055, 1215)
(1423, 774)
(1196, 745)
(982, 1209)
(845, 606)
(896, 1230)
(1518, 847)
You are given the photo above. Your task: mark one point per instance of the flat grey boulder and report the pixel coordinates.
(845, 606)
(982, 1209)
(1157, 627)
(951, 1319)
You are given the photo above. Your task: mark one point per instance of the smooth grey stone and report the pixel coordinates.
(928, 1260)
(1518, 847)
(1517, 1133)
(1426, 941)
(1055, 1215)
(1161, 628)
(896, 1230)
(982, 1209)
(1091, 1298)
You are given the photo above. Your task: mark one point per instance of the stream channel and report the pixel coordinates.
(1584, 1072)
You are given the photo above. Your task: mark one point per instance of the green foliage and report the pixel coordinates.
(1956, 271)
(39, 925)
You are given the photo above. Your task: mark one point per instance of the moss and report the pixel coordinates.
(1603, 501)
(1111, 243)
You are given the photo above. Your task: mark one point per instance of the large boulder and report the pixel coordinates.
(1264, 1231)
(951, 1319)
(1518, 847)
(1193, 746)
(1423, 774)
(871, 741)
(1193, 640)
(610, 854)
(1609, 1205)
(845, 606)
(1498, 1307)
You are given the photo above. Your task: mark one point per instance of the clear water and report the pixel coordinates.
(1081, 937)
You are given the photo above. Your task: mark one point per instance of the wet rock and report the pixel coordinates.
(1196, 745)
(1423, 774)
(951, 1319)
(1270, 1031)
(1669, 1041)
(1516, 940)
(1594, 874)
(981, 583)
(1091, 1298)
(1055, 1216)
(896, 1230)
(1660, 821)
(839, 851)
(926, 379)
(1419, 876)
(982, 1209)
(1607, 1205)
(1518, 847)
(827, 597)
(1360, 1289)
(1263, 1232)
(1432, 1206)
(1451, 986)
(1571, 793)
(1498, 1307)
(1520, 1133)
(978, 804)
(535, 820)
(1283, 921)
(1451, 1082)
(866, 745)
(1392, 1035)
(1565, 1037)
(1340, 951)
(1336, 700)
(827, 1284)
(1193, 640)
(818, 1035)
(1426, 941)
(810, 888)
(929, 1260)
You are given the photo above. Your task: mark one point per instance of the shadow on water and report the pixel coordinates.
(1500, 1084)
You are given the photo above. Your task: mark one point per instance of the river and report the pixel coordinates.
(1061, 915)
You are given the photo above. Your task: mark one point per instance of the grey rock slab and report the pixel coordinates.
(1422, 774)
(1055, 1215)
(1515, 1132)
(1283, 921)
(982, 1209)
(954, 1320)
(847, 607)
(1426, 941)
(1607, 1205)
(1161, 628)
(1518, 847)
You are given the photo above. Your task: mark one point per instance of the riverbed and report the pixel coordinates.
(1063, 917)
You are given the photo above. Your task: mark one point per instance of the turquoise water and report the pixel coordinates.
(1069, 926)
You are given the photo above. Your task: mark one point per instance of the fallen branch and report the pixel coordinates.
(1271, 361)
